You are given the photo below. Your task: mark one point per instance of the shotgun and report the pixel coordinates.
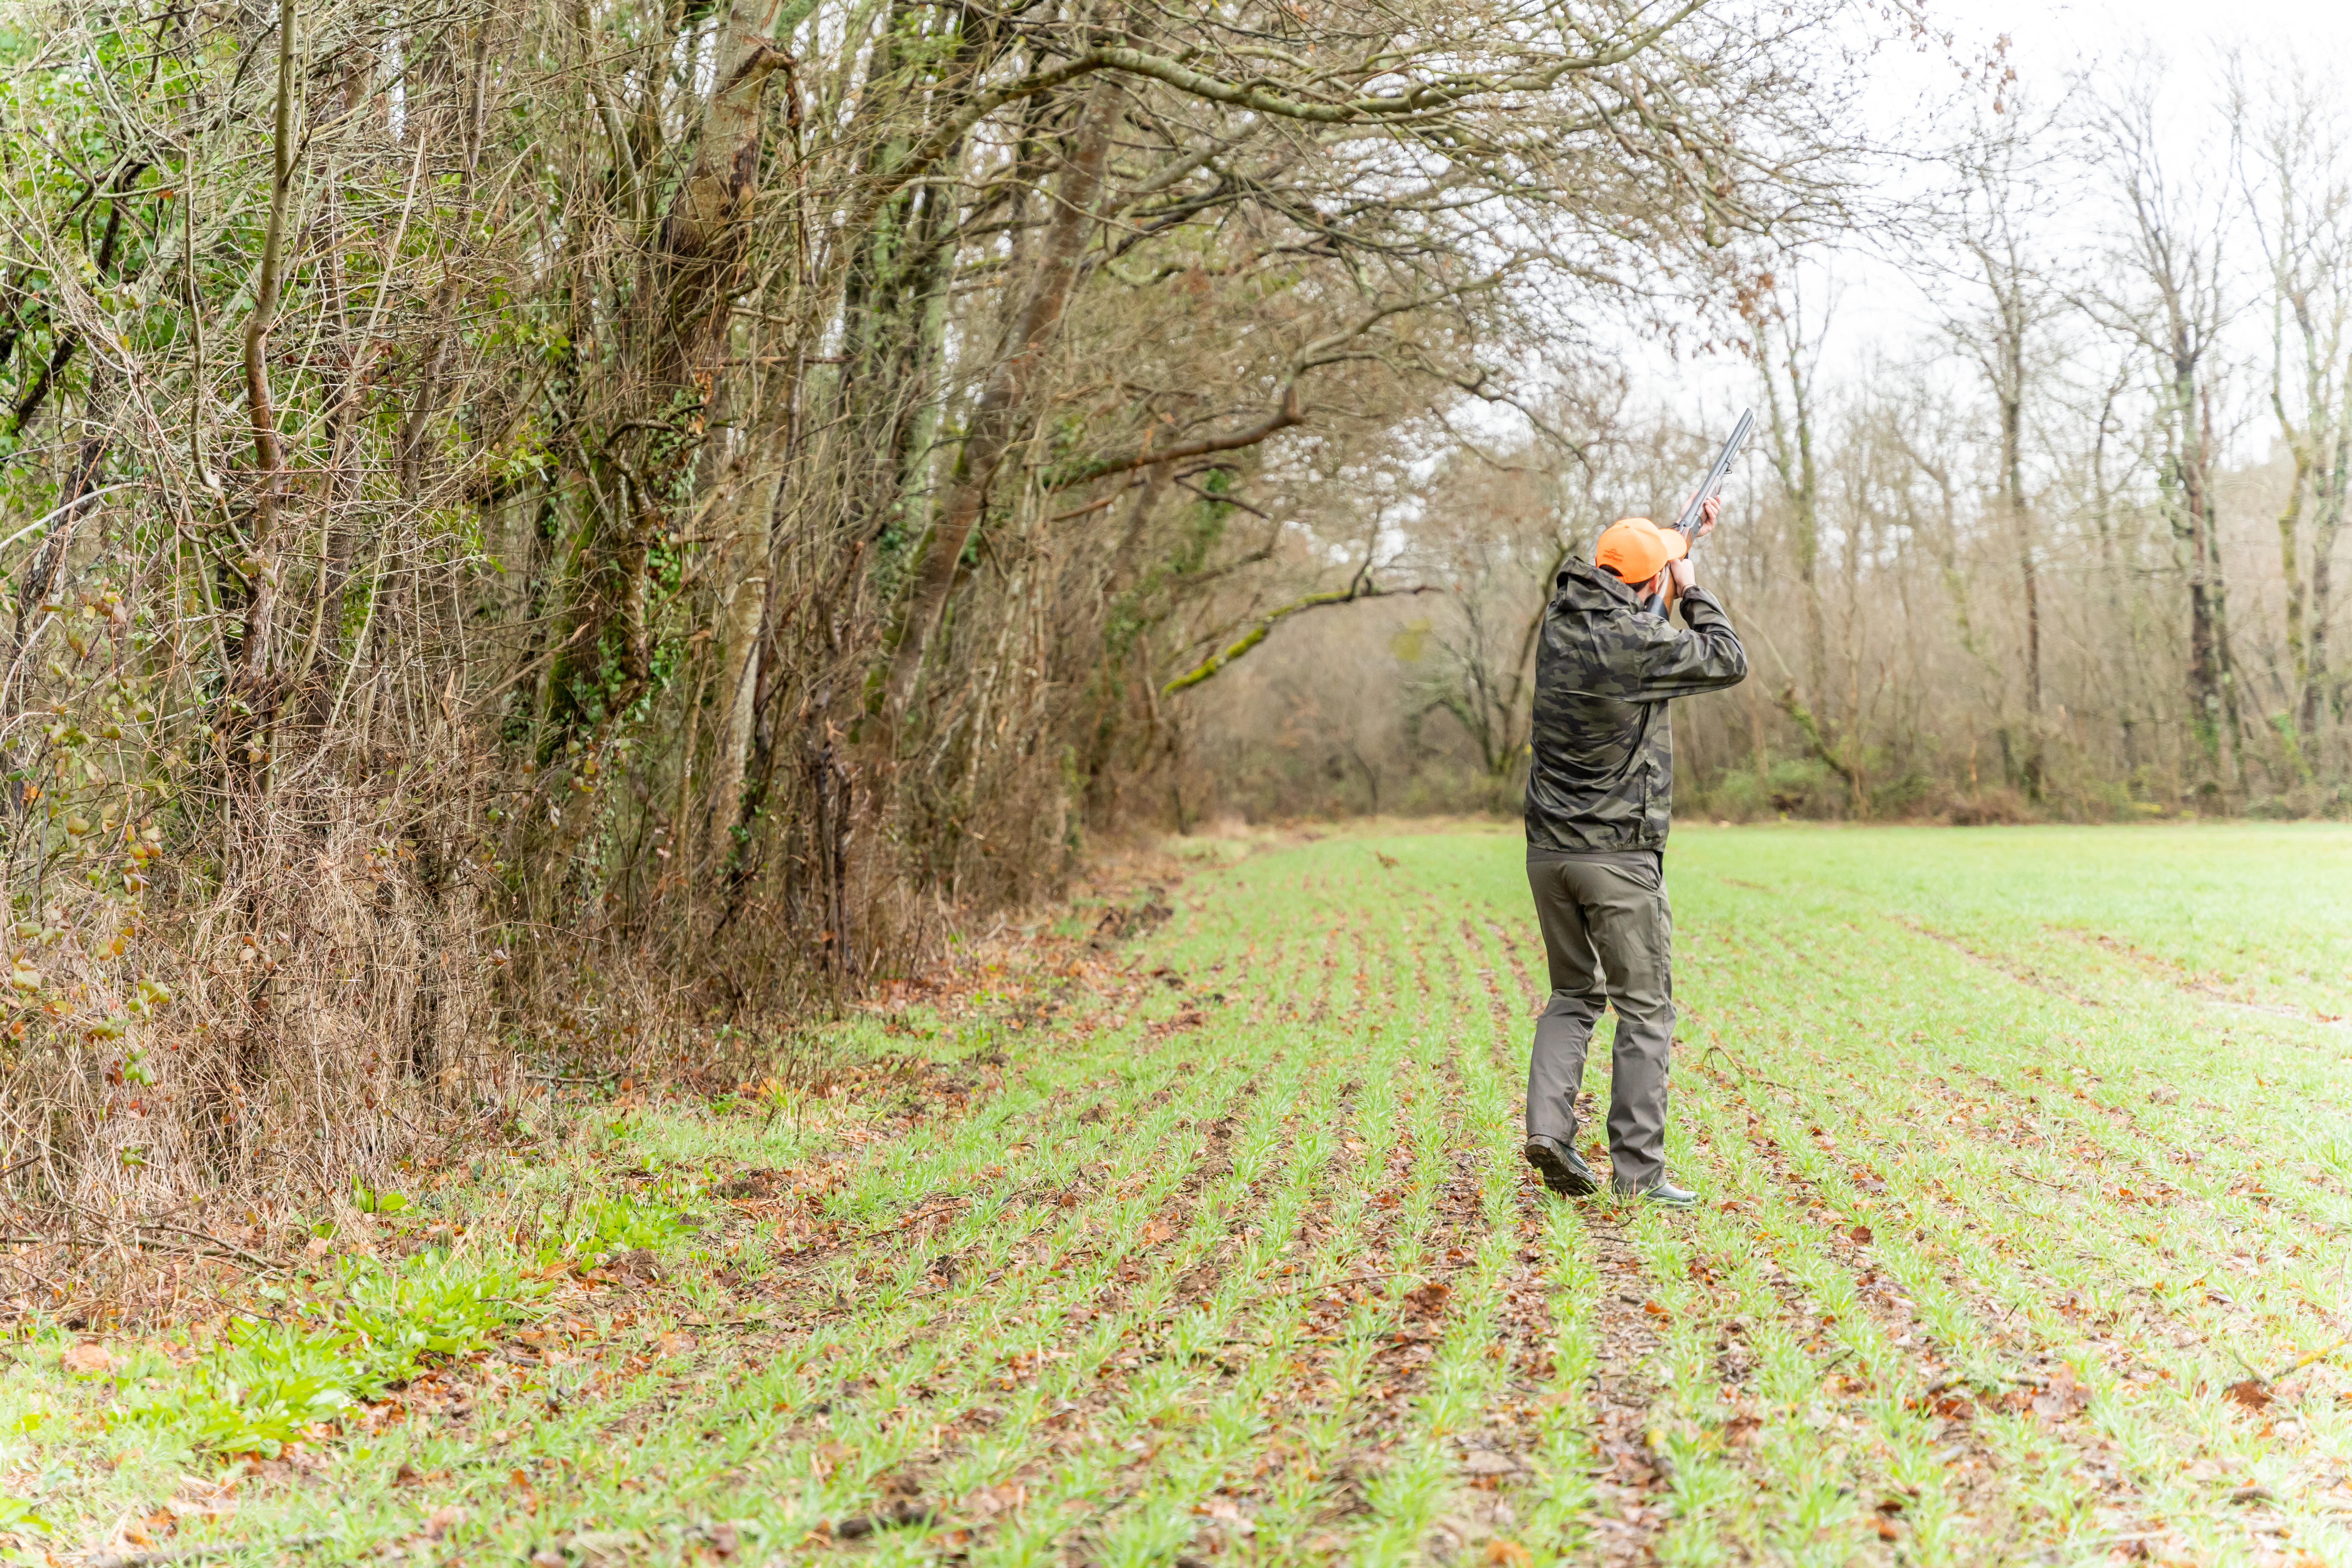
(1687, 525)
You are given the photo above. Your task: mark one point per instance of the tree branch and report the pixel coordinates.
(1418, 102)
(1361, 588)
(269, 454)
(1286, 413)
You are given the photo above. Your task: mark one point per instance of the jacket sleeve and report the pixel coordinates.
(1704, 656)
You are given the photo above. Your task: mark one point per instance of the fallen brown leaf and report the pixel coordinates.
(2063, 1397)
(2251, 1393)
(90, 1359)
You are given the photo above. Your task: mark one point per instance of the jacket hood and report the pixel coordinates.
(1582, 585)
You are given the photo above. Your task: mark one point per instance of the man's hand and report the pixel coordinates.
(1707, 514)
(1679, 578)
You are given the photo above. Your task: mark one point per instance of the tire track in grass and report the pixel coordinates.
(1431, 1358)
(890, 1451)
(1481, 1408)
(1824, 1351)
(1079, 1489)
(1603, 1289)
(1195, 1330)
(1209, 1473)
(1389, 1332)
(1118, 1344)
(1018, 1331)
(1557, 1281)
(1400, 1083)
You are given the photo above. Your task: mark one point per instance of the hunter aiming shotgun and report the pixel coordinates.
(1600, 798)
(1687, 525)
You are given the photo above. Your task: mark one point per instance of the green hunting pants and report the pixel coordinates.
(1609, 936)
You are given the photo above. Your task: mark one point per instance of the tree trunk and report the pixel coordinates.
(2290, 542)
(2012, 461)
(2316, 692)
(1003, 403)
(692, 274)
(747, 573)
(2193, 543)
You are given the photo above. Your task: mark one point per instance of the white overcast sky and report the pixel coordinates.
(1881, 308)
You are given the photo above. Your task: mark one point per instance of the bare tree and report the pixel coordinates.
(2171, 299)
(2301, 204)
(2004, 198)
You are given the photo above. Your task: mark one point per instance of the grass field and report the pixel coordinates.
(2026, 1168)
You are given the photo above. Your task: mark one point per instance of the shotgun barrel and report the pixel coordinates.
(1687, 525)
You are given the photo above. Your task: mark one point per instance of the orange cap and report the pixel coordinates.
(1637, 549)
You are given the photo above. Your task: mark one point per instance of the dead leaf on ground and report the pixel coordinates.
(2063, 1397)
(2251, 1393)
(1227, 1513)
(442, 1521)
(1502, 1554)
(989, 1501)
(753, 1184)
(90, 1359)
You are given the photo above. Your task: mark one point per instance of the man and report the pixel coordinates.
(1599, 795)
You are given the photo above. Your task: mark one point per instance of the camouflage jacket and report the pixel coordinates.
(1603, 775)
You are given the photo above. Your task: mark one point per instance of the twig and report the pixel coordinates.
(946, 1206)
(1744, 1072)
(2314, 1357)
(227, 1250)
(254, 1259)
(1336, 1284)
